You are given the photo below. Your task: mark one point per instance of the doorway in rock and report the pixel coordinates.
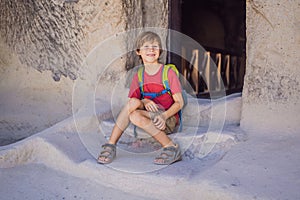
(219, 26)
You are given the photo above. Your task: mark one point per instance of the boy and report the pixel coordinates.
(157, 116)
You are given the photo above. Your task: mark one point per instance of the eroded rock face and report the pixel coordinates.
(45, 34)
(57, 35)
(54, 37)
(272, 81)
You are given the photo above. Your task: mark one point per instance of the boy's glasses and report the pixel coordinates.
(155, 48)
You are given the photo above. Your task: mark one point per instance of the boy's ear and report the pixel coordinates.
(137, 52)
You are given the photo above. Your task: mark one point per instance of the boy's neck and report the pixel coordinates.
(152, 68)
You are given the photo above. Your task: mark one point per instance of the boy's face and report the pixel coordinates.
(149, 52)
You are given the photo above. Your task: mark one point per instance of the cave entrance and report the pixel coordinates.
(220, 27)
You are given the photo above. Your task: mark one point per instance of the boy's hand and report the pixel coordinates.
(150, 105)
(159, 122)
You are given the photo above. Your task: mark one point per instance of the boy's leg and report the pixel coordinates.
(122, 121)
(121, 124)
(141, 118)
(171, 151)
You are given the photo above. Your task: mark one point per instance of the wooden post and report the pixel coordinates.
(207, 70)
(227, 70)
(219, 65)
(195, 72)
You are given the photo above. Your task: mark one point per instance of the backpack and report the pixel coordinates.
(167, 89)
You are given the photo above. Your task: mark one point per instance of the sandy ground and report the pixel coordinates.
(57, 164)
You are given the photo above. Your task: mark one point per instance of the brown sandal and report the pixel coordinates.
(108, 154)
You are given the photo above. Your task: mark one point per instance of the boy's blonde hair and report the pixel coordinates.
(147, 36)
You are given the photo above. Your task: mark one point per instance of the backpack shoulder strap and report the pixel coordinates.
(173, 67)
(140, 74)
(165, 79)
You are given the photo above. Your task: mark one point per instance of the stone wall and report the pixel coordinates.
(56, 36)
(43, 44)
(271, 95)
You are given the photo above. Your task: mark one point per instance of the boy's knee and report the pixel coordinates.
(134, 104)
(136, 118)
(134, 101)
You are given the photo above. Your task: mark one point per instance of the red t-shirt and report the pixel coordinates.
(153, 83)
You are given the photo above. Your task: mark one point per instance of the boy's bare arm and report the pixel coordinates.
(160, 120)
(150, 105)
(177, 105)
(133, 104)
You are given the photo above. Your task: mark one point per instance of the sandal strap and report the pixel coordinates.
(106, 153)
(171, 149)
(108, 148)
(112, 146)
(168, 152)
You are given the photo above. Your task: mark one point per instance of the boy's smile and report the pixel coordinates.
(149, 52)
